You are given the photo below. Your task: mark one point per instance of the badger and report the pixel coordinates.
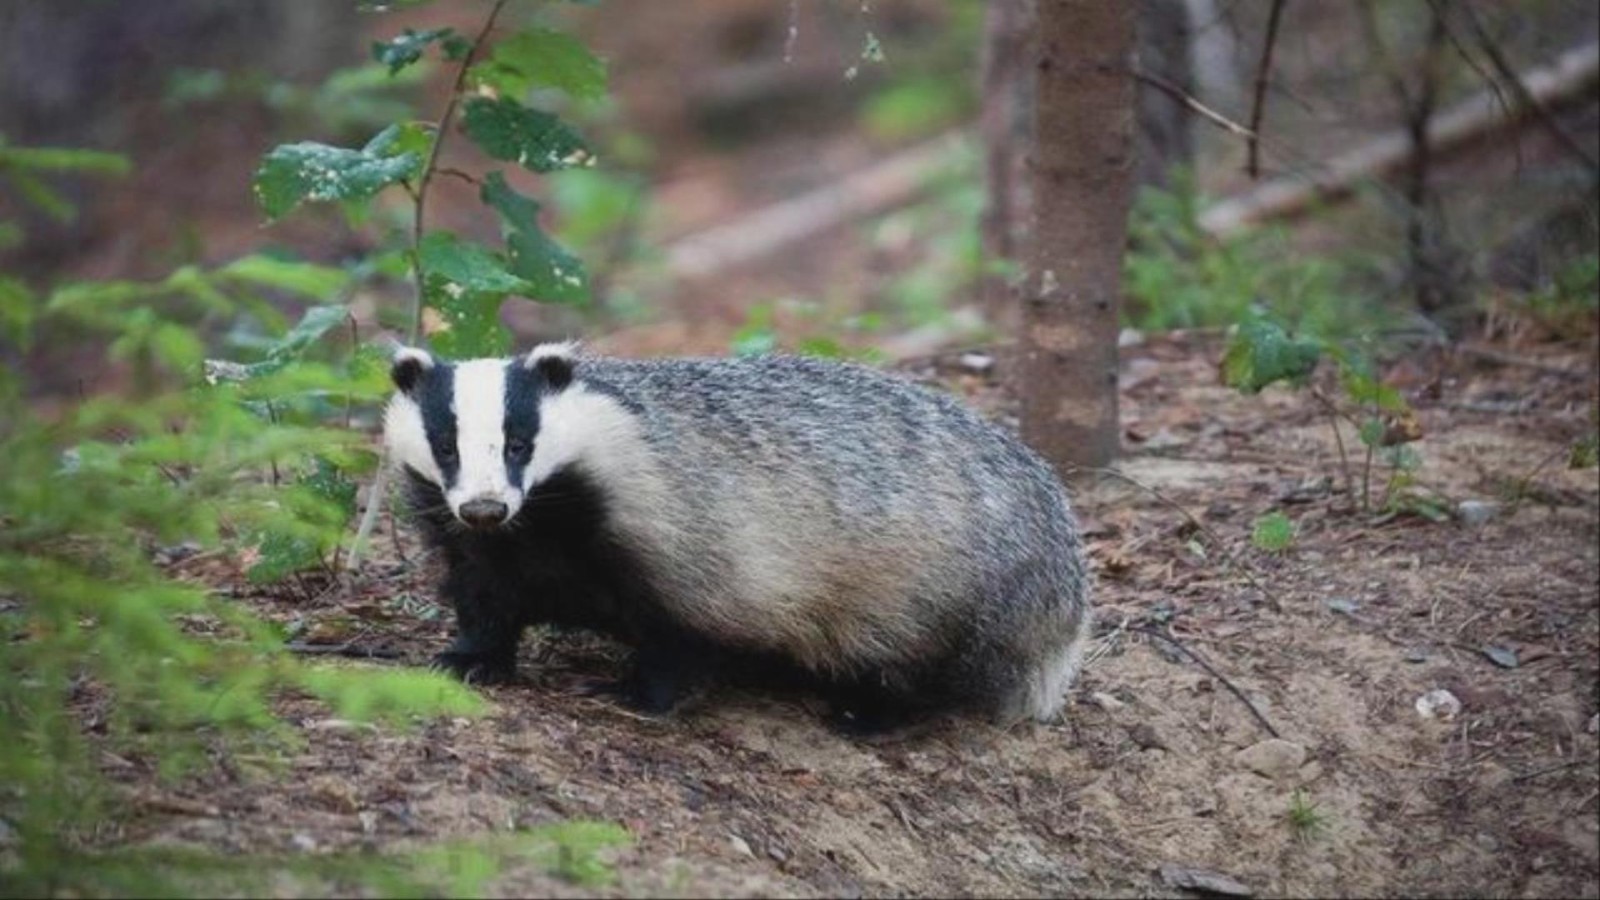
(901, 554)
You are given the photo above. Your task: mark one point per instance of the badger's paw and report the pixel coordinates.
(650, 698)
(476, 668)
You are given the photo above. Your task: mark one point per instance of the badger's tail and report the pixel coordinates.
(1046, 689)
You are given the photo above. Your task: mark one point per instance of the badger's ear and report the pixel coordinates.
(554, 362)
(409, 365)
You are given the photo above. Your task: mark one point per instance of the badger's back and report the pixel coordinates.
(847, 519)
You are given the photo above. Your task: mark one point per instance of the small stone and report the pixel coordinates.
(1476, 512)
(1129, 337)
(740, 845)
(1346, 605)
(1594, 724)
(1416, 655)
(1273, 758)
(1106, 701)
(1202, 881)
(1504, 657)
(303, 842)
(368, 820)
(977, 363)
(1439, 704)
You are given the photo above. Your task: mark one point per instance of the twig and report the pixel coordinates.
(1561, 767)
(1210, 535)
(1193, 103)
(1525, 97)
(369, 517)
(1258, 105)
(1521, 490)
(349, 649)
(1338, 438)
(1507, 359)
(468, 177)
(1199, 661)
(440, 133)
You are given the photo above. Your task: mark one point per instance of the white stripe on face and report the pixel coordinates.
(479, 404)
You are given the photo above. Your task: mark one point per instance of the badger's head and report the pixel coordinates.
(473, 428)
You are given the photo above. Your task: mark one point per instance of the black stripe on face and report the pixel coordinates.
(523, 389)
(434, 395)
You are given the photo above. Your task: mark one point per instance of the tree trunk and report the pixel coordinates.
(1082, 176)
(1006, 90)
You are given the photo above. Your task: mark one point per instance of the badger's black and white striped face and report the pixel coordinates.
(473, 428)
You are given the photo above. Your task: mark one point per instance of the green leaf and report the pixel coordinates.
(281, 555)
(1371, 433)
(1365, 388)
(401, 138)
(462, 267)
(317, 321)
(542, 57)
(18, 306)
(549, 272)
(294, 173)
(533, 139)
(329, 482)
(63, 159)
(1273, 532)
(472, 323)
(1261, 353)
(405, 49)
(306, 279)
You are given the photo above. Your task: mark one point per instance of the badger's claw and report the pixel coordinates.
(475, 668)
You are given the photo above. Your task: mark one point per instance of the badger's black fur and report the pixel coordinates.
(635, 493)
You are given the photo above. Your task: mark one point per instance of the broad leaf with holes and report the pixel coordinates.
(542, 58)
(462, 266)
(406, 48)
(550, 273)
(1262, 353)
(295, 173)
(531, 138)
(466, 283)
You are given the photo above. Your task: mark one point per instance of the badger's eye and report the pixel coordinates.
(446, 453)
(517, 448)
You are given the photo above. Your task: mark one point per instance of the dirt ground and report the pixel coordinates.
(1158, 765)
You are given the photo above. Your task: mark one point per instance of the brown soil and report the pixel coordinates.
(1332, 641)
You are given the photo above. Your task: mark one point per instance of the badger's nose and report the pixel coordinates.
(482, 513)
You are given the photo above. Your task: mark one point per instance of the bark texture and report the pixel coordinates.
(1082, 177)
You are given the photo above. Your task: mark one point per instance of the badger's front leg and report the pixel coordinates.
(665, 668)
(487, 631)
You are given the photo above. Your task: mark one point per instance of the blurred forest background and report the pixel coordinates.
(722, 114)
(1349, 629)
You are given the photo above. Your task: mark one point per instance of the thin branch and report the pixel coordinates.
(1189, 100)
(350, 649)
(1198, 660)
(1258, 105)
(1525, 97)
(440, 133)
(468, 177)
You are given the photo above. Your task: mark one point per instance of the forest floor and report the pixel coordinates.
(1158, 767)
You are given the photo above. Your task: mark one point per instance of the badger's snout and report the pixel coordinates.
(483, 512)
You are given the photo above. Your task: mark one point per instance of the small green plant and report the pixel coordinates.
(1305, 819)
(1273, 532)
(1179, 276)
(1262, 352)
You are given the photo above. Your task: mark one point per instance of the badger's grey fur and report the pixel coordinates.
(872, 534)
